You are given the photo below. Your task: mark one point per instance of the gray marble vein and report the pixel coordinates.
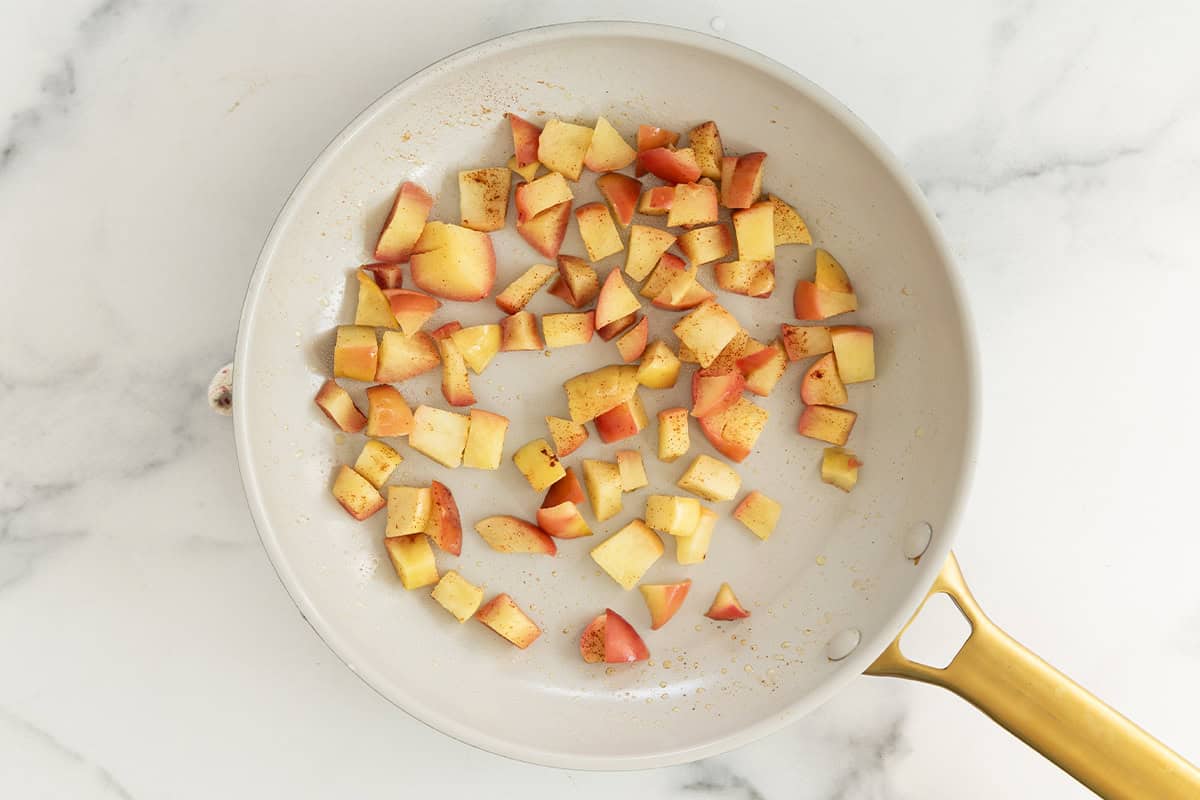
(68, 759)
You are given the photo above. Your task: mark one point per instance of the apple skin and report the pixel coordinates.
(663, 600)
(673, 166)
(725, 606)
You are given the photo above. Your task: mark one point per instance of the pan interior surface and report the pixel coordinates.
(835, 563)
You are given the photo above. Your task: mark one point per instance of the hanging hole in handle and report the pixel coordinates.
(937, 634)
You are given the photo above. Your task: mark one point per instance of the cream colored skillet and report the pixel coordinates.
(829, 592)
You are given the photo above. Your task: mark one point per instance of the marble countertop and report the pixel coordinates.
(148, 649)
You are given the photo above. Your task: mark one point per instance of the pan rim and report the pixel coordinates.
(925, 570)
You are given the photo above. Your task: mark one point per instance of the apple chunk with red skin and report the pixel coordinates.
(622, 193)
(485, 440)
(567, 330)
(563, 146)
(520, 332)
(402, 357)
(725, 606)
(518, 293)
(568, 436)
(411, 309)
(854, 347)
(563, 521)
(673, 166)
(615, 300)
(590, 394)
(356, 494)
(339, 407)
(811, 302)
(617, 327)
(478, 344)
(674, 438)
(763, 368)
(444, 526)
(682, 292)
(707, 330)
(734, 431)
(657, 202)
(667, 269)
(404, 223)
(821, 384)
(372, 309)
(650, 137)
(453, 262)
(663, 600)
(830, 274)
(705, 140)
(439, 434)
(840, 468)
(742, 179)
(355, 353)
(622, 420)
(579, 280)
(534, 197)
(790, 227)
(712, 394)
(751, 278)
(803, 341)
(565, 488)
(386, 276)
(633, 343)
(694, 204)
(546, 231)
(388, 413)
(456, 382)
(483, 198)
(598, 231)
(702, 245)
(525, 140)
(611, 639)
(608, 151)
(827, 423)
(646, 247)
(506, 534)
(759, 513)
(755, 231)
(505, 617)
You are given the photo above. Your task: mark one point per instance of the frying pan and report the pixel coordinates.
(830, 592)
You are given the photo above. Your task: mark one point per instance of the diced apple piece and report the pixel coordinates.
(525, 140)
(568, 436)
(631, 469)
(592, 393)
(566, 330)
(408, 509)
(506, 618)
(710, 479)
(608, 151)
(582, 282)
(790, 227)
(339, 407)
(616, 300)
(622, 420)
(827, 423)
(686, 355)
(705, 140)
(617, 327)
(854, 347)
(565, 488)
(668, 268)
(413, 560)
(411, 309)
(764, 368)
(603, 482)
(694, 549)
(386, 276)
(527, 172)
(546, 231)
(483, 198)
(760, 513)
(821, 384)
(538, 463)
(751, 278)
(726, 361)
(355, 353)
(682, 292)
(457, 595)
(673, 166)
(830, 274)
(444, 526)
(622, 645)
(677, 516)
(633, 343)
(650, 137)
(755, 231)
(372, 309)
(840, 468)
(702, 245)
(707, 330)
(712, 394)
(540, 195)
(563, 146)
(356, 494)
(622, 193)
(404, 223)
(657, 201)
(376, 462)
(506, 534)
(741, 181)
(563, 521)
(485, 440)
(456, 383)
(659, 368)
(598, 231)
(439, 434)
(591, 641)
(628, 553)
(673, 436)
(811, 302)
(518, 293)
(646, 247)
(725, 606)
(733, 432)
(453, 262)
(663, 600)
(520, 332)
(802, 341)
(477, 345)
(694, 204)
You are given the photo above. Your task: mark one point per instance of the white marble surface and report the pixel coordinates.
(147, 648)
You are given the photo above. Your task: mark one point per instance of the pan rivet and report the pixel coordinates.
(916, 541)
(843, 644)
